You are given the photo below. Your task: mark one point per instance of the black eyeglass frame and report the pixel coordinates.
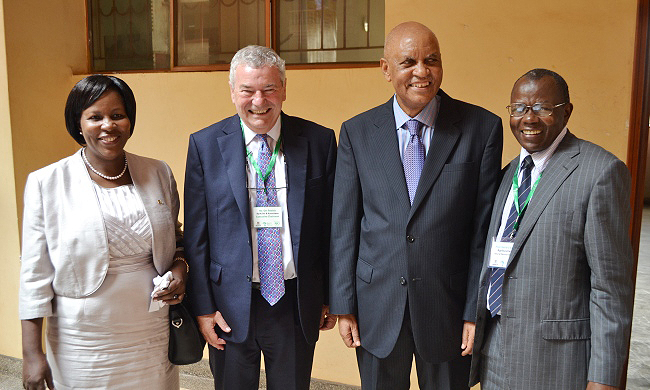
(532, 107)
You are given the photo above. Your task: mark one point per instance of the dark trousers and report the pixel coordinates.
(274, 331)
(394, 371)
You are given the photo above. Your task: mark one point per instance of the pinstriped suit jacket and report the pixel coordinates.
(384, 250)
(567, 292)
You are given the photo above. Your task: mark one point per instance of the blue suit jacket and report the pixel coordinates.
(217, 218)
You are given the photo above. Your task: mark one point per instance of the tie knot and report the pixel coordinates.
(413, 126)
(263, 138)
(527, 163)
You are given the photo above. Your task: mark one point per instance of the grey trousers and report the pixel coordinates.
(492, 359)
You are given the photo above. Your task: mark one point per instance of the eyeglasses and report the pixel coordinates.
(539, 109)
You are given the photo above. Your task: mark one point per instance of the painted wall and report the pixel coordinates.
(9, 240)
(485, 46)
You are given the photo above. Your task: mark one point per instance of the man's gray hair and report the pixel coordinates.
(256, 57)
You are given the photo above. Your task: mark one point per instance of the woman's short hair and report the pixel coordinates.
(86, 92)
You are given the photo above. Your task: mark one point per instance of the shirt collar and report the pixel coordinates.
(274, 133)
(540, 159)
(427, 116)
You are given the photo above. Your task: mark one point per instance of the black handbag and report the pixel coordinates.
(185, 340)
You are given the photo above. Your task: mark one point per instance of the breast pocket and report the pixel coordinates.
(454, 167)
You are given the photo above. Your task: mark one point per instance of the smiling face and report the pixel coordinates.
(105, 128)
(258, 94)
(412, 63)
(532, 132)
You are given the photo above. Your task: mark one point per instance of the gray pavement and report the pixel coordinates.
(193, 377)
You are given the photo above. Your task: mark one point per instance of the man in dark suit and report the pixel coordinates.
(415, 180)
(555, 298)
(258, 197)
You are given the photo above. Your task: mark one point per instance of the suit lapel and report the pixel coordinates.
(497, 211)
(445, 136)
(501, 197)
(146, 195)
(233, 153)
(384, 143)
(560, 166)
(295, 149)
(150, 196)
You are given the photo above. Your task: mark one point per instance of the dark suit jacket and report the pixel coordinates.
(217, 220)
(567, 291)
(385, 250)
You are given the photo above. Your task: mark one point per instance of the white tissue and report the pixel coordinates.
(160, 283)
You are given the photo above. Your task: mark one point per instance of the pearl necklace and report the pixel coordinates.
(83, 155)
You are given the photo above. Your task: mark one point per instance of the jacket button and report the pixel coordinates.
(248, 278)
(402, 281)
(410, 239)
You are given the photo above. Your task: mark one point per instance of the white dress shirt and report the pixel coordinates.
(540, 160)
(253, 145)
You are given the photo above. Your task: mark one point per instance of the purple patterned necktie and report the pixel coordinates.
(413, 160)
(269, 242)
(496, 274)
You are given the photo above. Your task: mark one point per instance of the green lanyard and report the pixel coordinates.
(274, 156)
(515, 192)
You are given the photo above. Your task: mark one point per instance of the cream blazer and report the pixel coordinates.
(64, 243)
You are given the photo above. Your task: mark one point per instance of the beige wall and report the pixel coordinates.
(9, 241)
(485, 46)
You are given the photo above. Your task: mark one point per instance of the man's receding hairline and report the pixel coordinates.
(401, 29)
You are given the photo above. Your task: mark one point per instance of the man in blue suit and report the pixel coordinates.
(258, 199)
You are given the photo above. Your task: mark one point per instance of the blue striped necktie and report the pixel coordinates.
(269, 242)
(497, 274)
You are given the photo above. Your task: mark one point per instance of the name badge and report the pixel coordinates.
(264, 217)
(500, 253)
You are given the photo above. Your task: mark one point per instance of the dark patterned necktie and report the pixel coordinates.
(269, 242)
(497, 274)
(413, 160)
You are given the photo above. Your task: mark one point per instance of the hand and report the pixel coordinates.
(175, 293)
(599, 386)
(467, 344)
(327, 320)
(36, 372)
(206, 326)
(349, 330)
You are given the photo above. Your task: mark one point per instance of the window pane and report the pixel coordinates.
(313, 31)
(211, 31)
(129, 34)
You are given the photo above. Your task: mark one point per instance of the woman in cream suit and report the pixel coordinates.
(98, 226)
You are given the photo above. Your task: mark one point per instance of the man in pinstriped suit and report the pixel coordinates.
(558, 315)
(406, 254)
